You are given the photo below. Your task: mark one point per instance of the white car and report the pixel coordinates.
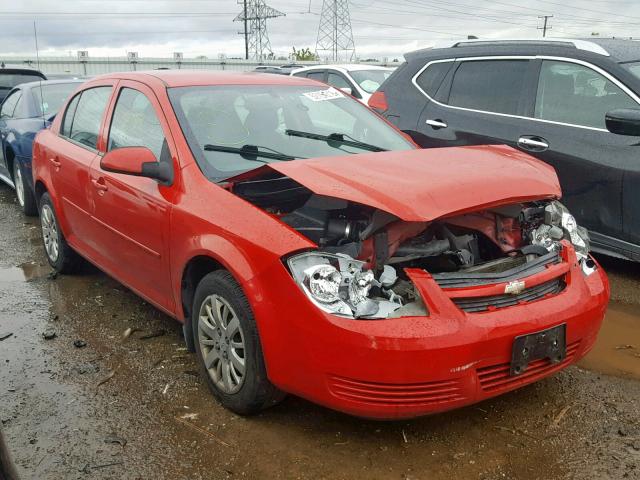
(357, 80)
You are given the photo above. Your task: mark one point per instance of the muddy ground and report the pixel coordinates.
(135, 408)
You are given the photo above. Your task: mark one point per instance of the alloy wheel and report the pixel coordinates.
(50, 233)
(17, 180)
(221, 342)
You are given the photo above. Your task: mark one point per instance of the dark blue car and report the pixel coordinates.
(26, 110)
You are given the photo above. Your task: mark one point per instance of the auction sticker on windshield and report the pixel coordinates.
(322, 95)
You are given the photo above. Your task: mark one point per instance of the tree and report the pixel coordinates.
(304, 54)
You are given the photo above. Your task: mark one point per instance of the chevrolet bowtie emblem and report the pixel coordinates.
(514, 288)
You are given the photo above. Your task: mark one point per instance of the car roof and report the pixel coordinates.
(618, 50)
(21, 68)
(348, 67)
(48, 82)
(188, 78)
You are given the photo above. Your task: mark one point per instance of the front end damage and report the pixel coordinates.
(359, 269)
(423, 278)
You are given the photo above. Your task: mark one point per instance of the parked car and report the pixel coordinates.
(27, 109)
(547, 98)
(357, 80)
(278, 70)
(309, 247)
(12, 75)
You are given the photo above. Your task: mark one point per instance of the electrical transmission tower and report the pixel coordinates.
(254, 15)
(334, 33)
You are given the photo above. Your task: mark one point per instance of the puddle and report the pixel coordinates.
(24, 272)
(617, 350)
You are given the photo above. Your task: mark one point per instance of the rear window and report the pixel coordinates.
(489, 85)
(10, 80)
(431, 78)
(49, 98)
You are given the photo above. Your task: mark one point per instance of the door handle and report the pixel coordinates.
(56, 163)
(535, 144)
(437, 123)
(100, 185)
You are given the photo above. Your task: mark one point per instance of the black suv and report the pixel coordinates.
(548, 98)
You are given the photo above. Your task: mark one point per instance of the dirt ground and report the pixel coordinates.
(134, 408)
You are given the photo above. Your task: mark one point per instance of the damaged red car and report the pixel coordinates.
(308, 247)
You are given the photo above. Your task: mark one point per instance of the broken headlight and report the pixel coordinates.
(560, 224)
(338, 284)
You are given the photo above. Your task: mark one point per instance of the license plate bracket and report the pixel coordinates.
(548, 344)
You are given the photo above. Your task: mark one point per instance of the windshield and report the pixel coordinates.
(370, 80)
(10, 80)
(49, 98)
(266, 115)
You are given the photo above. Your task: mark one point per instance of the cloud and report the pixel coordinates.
(205, 27)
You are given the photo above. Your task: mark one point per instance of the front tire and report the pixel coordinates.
(60, 255)
(24, 193)
(228, 346)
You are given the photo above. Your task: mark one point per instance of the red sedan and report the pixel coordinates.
(308, 247)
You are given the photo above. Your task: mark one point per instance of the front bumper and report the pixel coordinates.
(411, 366)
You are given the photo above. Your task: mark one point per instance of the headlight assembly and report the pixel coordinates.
(340, 285)
(559, 224)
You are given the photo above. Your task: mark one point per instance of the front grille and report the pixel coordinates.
(497, 378)
(462, 279)
(481, 304)
(392, 394)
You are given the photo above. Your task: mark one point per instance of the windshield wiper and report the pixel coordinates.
(251, 152)
(341, 138)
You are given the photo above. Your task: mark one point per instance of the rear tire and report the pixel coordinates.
(228, 346)
(24, 193)
(60, 255)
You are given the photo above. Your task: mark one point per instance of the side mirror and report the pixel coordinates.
(623, 121)
(137, 161)
(346, 90)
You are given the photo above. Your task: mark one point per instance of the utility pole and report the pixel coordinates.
(544, 28)
(254, 16)
(246, 33)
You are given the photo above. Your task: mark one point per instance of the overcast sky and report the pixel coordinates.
(156, 28)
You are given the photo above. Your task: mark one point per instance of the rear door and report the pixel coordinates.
(571, 102)
(473, 101)
(71, 155)
(133, 213)
(6, 114)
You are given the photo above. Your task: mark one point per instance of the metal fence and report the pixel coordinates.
(98, 65)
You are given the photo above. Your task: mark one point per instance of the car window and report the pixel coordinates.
(67, 121)
(578, 95)
(370, 80)
(87, 117)
(316, 76)
(489, 85)
(338, 81)
(49, 98)
(431, 78)
(10, 80)
(260, 115)
(10, 103)
(135, 123)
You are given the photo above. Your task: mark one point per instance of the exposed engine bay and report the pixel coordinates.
(358, 269)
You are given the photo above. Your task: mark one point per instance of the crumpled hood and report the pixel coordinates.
(422, 185)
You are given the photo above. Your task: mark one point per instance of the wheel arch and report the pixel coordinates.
(196, 268)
